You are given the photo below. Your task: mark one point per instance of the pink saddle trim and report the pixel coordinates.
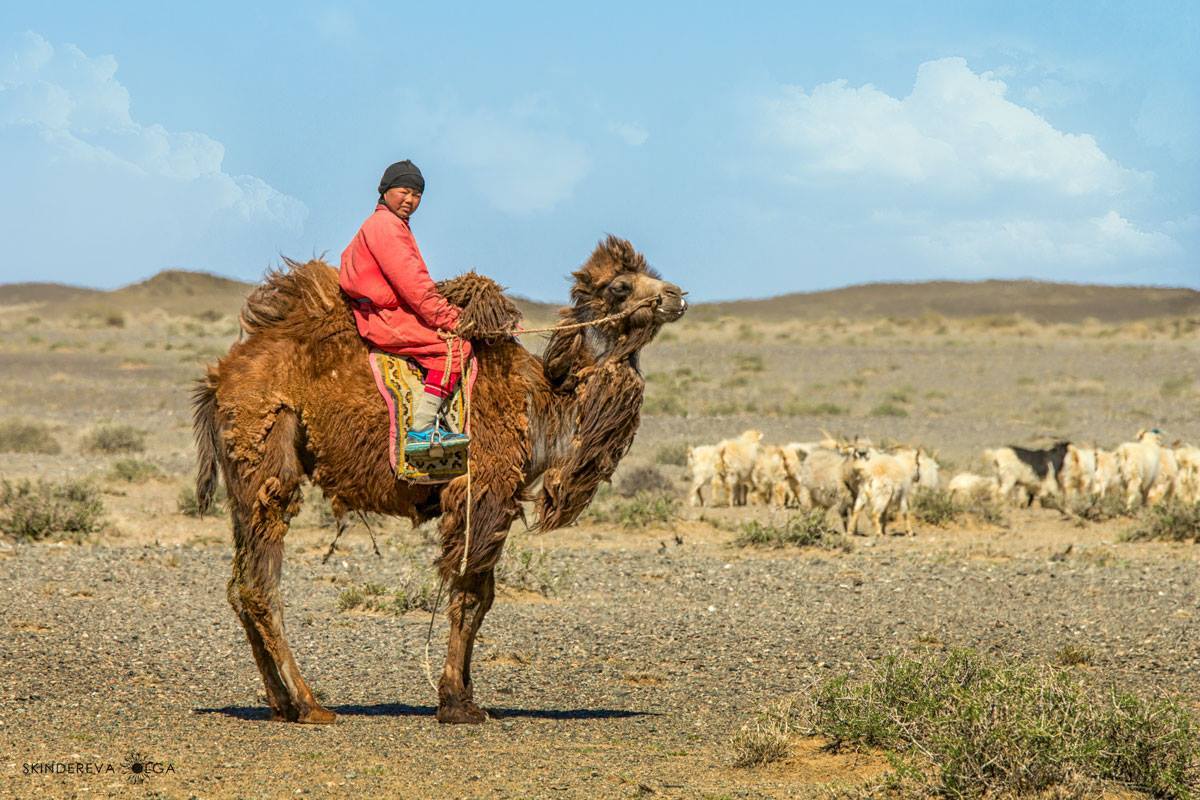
(393, 410)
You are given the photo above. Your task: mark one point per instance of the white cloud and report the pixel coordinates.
(630, 133)
(955, 133)
(959, 176)
(1074, 246)
(101, 188)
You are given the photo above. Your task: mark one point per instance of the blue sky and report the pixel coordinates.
(747, 152)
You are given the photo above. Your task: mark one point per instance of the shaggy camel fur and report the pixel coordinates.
(295, 398)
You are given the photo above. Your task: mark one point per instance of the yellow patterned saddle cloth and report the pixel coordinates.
(400, 382)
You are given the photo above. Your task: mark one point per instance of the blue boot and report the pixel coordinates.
(434, 441)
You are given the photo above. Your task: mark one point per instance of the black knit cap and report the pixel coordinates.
(402, 173)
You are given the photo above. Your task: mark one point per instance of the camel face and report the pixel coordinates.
(665, 301)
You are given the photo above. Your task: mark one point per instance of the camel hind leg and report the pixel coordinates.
(264, 499)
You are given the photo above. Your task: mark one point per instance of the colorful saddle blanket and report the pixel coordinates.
(400, 381)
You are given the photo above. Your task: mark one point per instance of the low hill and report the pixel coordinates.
(178, 292)
(197, 293)
(1037, 300)
(12, 294)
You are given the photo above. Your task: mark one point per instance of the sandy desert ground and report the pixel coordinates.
(619, 661)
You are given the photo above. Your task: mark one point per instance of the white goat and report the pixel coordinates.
(736, 467)
(770, 477)
(827, 481)
(702, 465)
(1138, 463)
(884, 484)
(966, 486)
(1187, 480)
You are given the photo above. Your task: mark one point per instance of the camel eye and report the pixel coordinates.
(620, 288)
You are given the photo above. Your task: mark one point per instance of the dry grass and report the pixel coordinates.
(22, 436)
(41, 510)
(966, 725)
(1170, 522)
(115, 439)
(810, 529)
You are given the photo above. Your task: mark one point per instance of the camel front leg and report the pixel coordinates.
(470, 597)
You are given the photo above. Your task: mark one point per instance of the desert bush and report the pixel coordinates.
(1097, 509)
(1174, 387)
(889, 409)
(133, 470)
(972, 726)
(19, 436)
(189, 506)
(641, 510)
(115, 439)
(1171, 521)
(1073, 655)
(114, 319)
(36, 511)
(531, 570)
(767, 738)
(748, 363)
(668, 404)
(415, 594)
(673, 454)
(809, 529)
(934, 506)
(794, 407)
(643, 479)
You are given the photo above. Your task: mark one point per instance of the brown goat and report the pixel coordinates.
(296, 398)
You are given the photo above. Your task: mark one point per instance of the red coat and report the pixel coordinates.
(396, 305)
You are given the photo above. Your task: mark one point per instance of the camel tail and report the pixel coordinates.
(208, 442)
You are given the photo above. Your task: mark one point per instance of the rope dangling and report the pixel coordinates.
(466, 388)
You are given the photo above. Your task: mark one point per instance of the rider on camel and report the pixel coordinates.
(397, 307)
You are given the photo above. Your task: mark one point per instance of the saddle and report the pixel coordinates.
(400, 381)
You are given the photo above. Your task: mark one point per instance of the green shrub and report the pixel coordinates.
(934, 506)
(641, 510)
(889, 409)
(1097, 509)
(800, 530)
(415, 594)
(189, 506)
(668, 404)
(1171, 521)
(968, 726)
(36, 511)
(673, 454)
(18, 436)
(115, 439)
(531, 570)
(134, 470)
(643, 479)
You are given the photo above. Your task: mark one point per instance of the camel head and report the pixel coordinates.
(614, 279)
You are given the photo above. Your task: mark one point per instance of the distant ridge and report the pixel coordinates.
(1037, 300)
(198, 293)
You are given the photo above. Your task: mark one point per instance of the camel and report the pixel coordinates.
(295, 398)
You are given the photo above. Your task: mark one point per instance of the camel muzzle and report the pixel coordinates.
(671, 303)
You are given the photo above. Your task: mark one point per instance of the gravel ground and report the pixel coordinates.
(628, 683)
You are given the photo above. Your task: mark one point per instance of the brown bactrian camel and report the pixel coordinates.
(295, 398)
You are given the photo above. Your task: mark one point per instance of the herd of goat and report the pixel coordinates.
(852, 477)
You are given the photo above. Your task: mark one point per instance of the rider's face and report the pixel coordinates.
(402, 201)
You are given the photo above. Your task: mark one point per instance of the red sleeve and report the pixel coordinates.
(395, 250)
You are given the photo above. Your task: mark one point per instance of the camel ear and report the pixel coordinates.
(559, 357)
